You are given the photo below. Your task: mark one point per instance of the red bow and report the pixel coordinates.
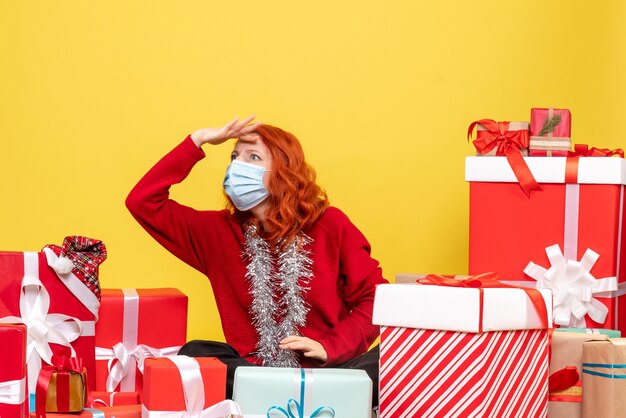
(488, 280)
(507, 143)
(583, 150)
(562, 379)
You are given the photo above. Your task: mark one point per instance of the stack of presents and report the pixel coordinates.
(532, 331)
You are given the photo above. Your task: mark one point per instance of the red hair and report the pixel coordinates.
(295, 200)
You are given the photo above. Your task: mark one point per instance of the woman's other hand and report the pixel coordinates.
(310, 348)
(233, 129)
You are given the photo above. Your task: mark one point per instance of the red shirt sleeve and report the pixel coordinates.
(167, 221)
(361, 274)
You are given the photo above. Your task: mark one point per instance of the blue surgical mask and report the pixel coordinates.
(243, 183)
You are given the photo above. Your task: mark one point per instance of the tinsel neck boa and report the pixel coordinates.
(278, 280)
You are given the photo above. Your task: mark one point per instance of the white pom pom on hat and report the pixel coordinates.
(63, 265)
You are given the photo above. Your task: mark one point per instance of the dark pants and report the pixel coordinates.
(229, 356)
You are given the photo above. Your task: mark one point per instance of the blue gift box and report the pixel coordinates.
(302, 393)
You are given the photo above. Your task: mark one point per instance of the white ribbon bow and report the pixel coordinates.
(193, 390)
(122, 361)
(12, 392)
(43, 328)
(573, 287)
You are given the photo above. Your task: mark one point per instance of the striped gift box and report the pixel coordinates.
(461, 352)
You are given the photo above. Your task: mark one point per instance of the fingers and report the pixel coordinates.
(235, 129)
(310, 348)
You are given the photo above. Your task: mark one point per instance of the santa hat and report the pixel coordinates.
(80, 256)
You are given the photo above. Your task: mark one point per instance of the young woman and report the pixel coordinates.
(293, 278)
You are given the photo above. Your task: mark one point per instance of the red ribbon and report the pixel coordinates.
(562, 379)
(488, 280)
(62, 366)
(566, 378)
(583, 150)
(508, 143)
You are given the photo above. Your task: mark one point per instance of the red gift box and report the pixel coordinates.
(550, 132)
(60, 309)
(462, 351)
(124, 411)
(136, 324)
(169, 383)
(13, 390)
(99, 399)
(580, 209)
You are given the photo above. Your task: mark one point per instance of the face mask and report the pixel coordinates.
(243, 183)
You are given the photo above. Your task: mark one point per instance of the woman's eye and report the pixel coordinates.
(232, 157)
(255, 157)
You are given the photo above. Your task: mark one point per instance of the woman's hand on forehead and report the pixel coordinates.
(233, 129)
(251, 137)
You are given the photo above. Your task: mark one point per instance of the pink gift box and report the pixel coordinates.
(547, 140)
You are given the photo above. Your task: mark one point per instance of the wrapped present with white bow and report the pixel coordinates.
(13, 391)
(282, 392)
(568, 237)
(460, 348)
(55, 293)
(181, 387)
(134, 325)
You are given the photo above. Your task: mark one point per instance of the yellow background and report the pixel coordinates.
(379, 93)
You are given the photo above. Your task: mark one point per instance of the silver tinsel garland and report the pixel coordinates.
(277, 286)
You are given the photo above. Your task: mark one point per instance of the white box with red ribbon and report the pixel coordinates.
(567, 237)
(455, 351)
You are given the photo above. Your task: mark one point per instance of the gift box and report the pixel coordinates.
(509, 139)
(462, 351)
(611, 333)
(550, 132)
(13, 391)
(566, 237)
(136, 324)
(604, 378)
(180, 384)
(265, 391)
(494, 138)
(99, 399)
(59, 308)
(565, 401)
(61, 387)
(125, 411)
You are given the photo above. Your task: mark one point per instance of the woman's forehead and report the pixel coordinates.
(250, 142)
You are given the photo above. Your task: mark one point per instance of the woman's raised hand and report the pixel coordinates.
(233, 129)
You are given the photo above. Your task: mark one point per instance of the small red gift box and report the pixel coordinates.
(62, 306)
(13, 391)
(568, 237)
(168, 381)
(99, 399)
(550, 132)
(136, 324)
